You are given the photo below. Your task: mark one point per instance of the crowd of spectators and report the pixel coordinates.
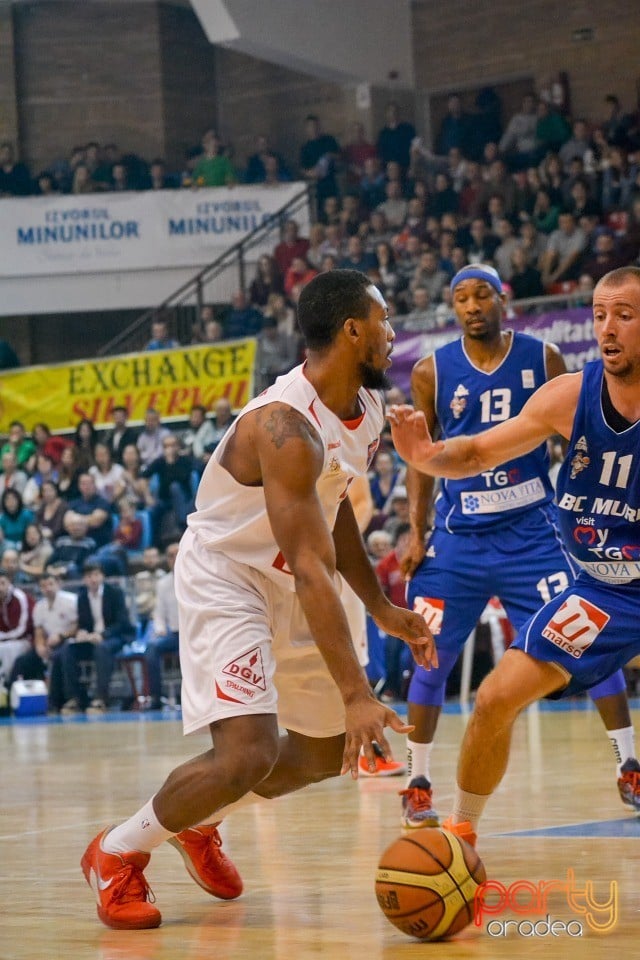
(552, 201)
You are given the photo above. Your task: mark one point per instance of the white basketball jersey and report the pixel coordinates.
(232, 518)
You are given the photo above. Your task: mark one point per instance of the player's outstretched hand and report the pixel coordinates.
(365, 721)
(412, 628)
(411, 436)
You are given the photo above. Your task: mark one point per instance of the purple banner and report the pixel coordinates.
(570, 329)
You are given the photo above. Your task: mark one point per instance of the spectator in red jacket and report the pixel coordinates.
(16, 627)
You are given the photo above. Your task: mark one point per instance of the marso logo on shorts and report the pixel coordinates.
(575, 625)
(432, 609)
(245, 674)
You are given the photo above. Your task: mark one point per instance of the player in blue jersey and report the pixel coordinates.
(592, 629)
(495, 533)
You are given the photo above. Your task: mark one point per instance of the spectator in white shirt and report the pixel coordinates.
(162, 634)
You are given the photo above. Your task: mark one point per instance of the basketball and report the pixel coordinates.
(426, 882)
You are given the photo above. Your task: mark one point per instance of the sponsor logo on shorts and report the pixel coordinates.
(503, 498)
(246, 692)
(247, 670)
(432, 609)
(575, 625)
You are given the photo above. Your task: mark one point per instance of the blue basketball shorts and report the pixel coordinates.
(524, 565)
(589, 631)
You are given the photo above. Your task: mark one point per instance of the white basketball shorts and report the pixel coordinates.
(246, 648)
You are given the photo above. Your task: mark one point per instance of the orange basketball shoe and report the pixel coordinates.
(384, 768)
(417, 805)
(201, 849)
(462, 830)
(124, 898)
(629, 784)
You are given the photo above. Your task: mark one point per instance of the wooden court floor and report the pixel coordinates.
(308, 860)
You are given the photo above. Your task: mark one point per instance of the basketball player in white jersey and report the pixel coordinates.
(264, 640)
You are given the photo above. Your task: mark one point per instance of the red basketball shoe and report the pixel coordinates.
(417, 805)
(123, 895)
(462, 830)
(201, 849)
(629, 784)
(384, 768)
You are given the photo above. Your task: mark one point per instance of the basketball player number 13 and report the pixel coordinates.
(624, 468)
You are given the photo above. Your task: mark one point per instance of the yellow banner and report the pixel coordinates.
(170, 381)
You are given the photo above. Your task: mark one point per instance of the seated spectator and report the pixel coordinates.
(356, 151)
(133, 485)
(578, 145)
(199, 435)
(581, 203)
(51, 511)
(372, 184)
(11, 477)
(482, 244)
(429, 275)
(356, 258)
(159, 179)
(379, 543)
(71, 550)
(532, 243)
(330, 211)
(15, 180)
(11, 566)
(242, 320)
(277, 353)
(292, 245)
(266, 281)
(44, 470)
(161, 635)
(213, 332)
(19, 443)
(389, 277)
(525, 280)
(145, 585)
(604, 258)
(120, 435)
(443, 311)
(392, 581)
(160, 336)
(85, 439)
(421, 317)
(103, 629)
(55, 622)
(333, 243)
(394, 206)
(213, 168)
(376, 230)
(92, 510)
(151, 437)
(258, 164)
(504, 252)
(35, 552)
(351, 214)
(68, 473)
(396, 510)
(82, 181)
(45, 442)
(222, 420)
(561, 260)
(618, 181)
(546, 215)
(106, 474)
(444, 199)
(14, 518)
(316, 240)
(16, 627)
(552, 130)
(385, 477)
(278, 307)
(128, 532)
(121, 180)
(174, 480)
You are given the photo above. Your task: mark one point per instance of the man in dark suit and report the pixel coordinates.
(103, 629)
(121, 435)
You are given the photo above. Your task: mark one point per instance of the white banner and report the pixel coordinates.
(112, 232)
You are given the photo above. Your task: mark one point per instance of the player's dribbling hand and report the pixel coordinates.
(411, 437)
(365, 720)
(413, 557)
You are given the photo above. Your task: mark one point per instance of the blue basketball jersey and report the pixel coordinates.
(469, 401)
(599, 489)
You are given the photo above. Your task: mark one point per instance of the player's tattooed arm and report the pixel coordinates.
(284, 423)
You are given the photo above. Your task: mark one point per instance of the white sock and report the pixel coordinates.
(468, 806)
(418, 760)
(247, 800)
(143, 831)
(623, 743)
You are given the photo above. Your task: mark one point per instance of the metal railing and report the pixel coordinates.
(183, 307)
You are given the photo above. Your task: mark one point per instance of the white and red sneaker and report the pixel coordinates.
(124, 898)
(201, 849)
(384, 768)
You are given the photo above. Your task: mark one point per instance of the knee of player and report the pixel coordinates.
(495, 701)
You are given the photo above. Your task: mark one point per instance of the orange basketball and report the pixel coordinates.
(426, 881)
